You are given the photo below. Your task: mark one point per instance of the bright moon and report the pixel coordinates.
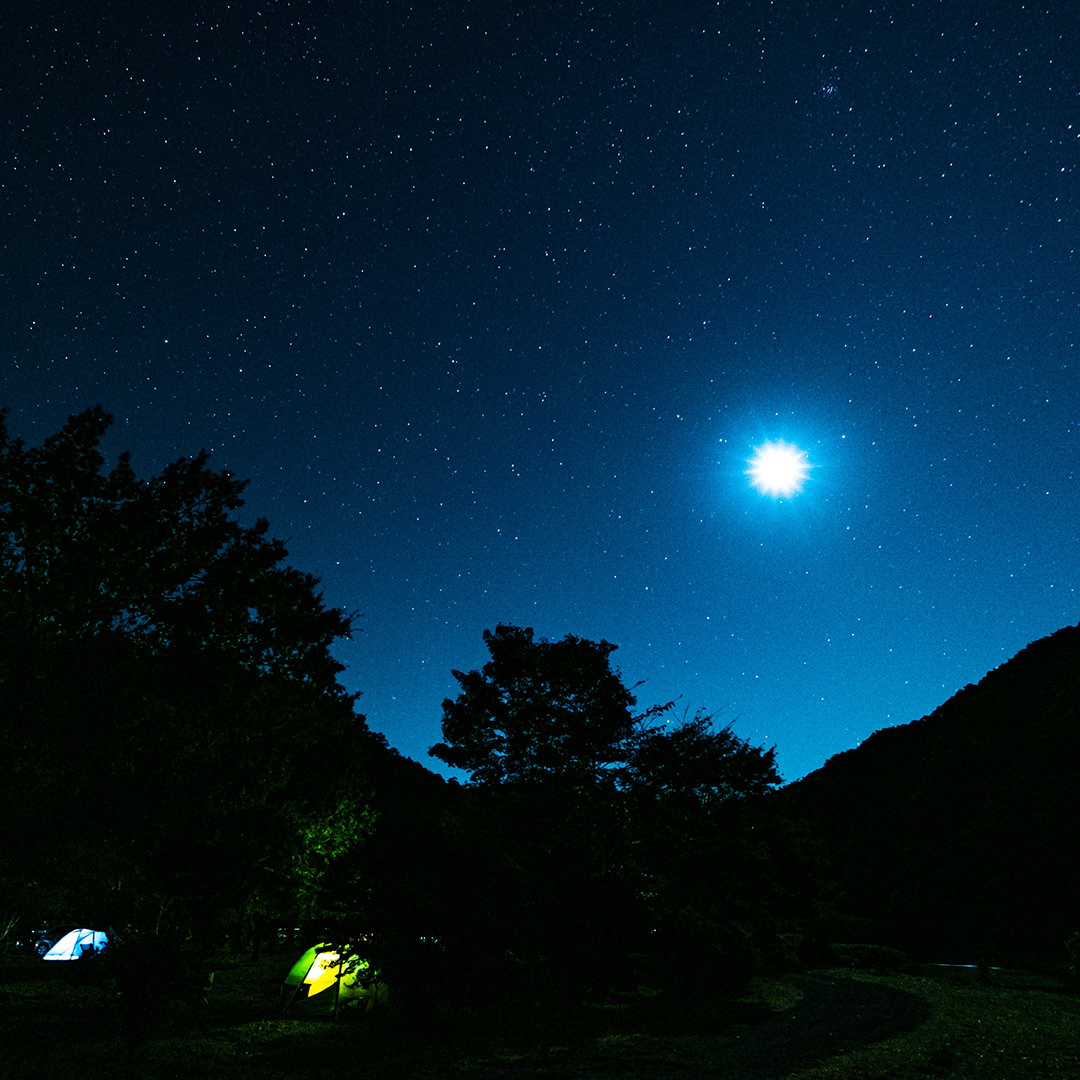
(778, 468)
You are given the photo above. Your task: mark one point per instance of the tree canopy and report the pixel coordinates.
(542, 711)
(167, 684)
(610, 833)
(84, 550)
(539, 710)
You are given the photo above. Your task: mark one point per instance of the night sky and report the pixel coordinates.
(494, 302)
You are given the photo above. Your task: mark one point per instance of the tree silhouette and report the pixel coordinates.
(540, 711)
(163, 562)
(175, 733)
(696, 766)
(595, 829)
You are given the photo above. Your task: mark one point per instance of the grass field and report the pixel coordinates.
(823, 1025)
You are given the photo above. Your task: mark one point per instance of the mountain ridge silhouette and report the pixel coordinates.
(959, 833)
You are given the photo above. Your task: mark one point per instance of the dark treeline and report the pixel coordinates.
(182, 764)
(178, 751)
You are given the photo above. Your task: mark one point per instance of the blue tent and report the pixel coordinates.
(78, 943)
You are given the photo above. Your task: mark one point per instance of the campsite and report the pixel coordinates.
(829, 1024)
(260, 886)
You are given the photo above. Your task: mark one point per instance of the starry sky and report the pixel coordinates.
(492, 302)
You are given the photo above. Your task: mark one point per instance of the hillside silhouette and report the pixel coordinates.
(956, 836)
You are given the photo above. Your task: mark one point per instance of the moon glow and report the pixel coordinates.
(778, 469)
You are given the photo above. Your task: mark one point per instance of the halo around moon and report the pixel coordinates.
(778, 469)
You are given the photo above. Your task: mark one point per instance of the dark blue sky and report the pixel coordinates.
(493, 302)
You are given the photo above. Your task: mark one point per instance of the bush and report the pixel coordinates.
(1072, 951)
(154, 977)
(879, 959)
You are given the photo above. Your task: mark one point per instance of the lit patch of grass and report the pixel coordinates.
(1024, 1028)
(775, 995)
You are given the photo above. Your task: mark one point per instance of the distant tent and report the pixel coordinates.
(76, 944)
(328, 977)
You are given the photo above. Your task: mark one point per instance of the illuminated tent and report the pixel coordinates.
(328, 977)
(76, 944)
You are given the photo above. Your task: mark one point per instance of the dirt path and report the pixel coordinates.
(836, 1014)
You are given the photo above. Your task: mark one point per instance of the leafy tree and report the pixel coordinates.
(696, 766)
(540, 711)
(604, 828)
(176, 736)
(163, 561)
(543, 711)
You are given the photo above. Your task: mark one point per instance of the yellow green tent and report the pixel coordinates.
(329, 976)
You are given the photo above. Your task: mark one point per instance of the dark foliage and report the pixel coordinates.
(601, 845)
(177, 746)
(539, 711)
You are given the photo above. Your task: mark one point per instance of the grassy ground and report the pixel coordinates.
(1016, 1027)
(827, 1025)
